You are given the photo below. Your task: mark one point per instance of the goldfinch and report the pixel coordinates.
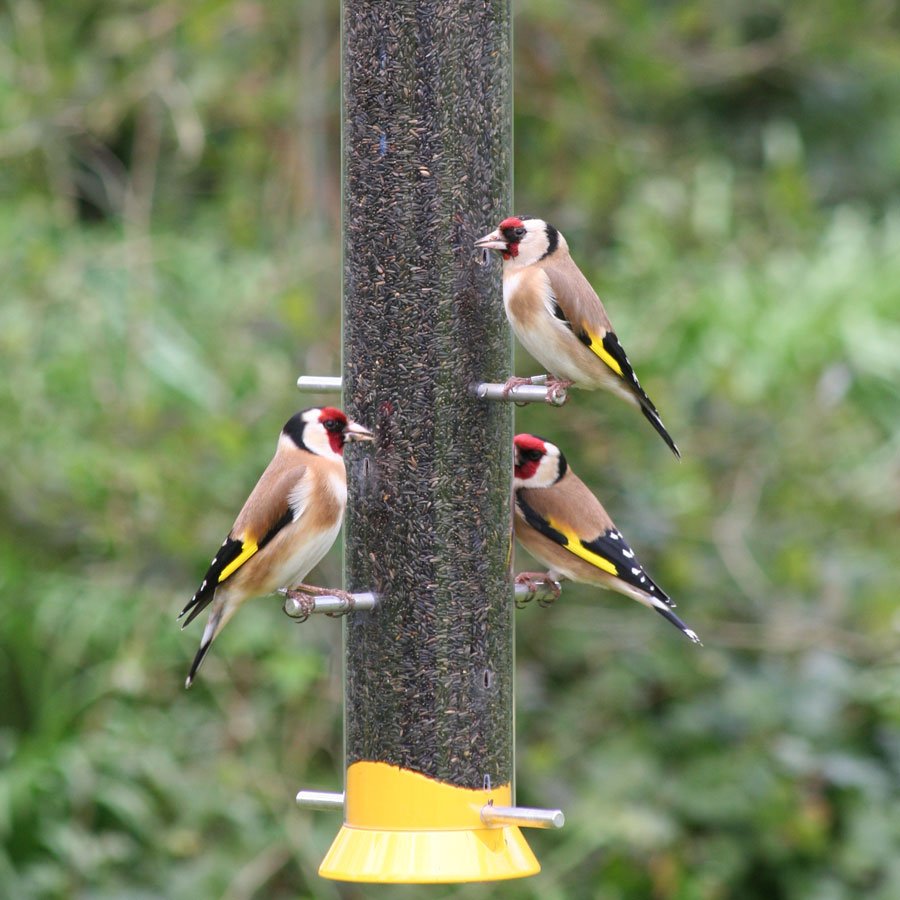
(559, 318)
(289, 521)
(562, 525)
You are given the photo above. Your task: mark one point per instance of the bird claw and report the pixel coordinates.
(536, 582)
(526, 579)
(515, 381)
(298, 605)
(304, 596)
(556, 391)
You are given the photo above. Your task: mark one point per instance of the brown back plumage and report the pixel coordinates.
(570, 494)
(268, 501)
(576, 298)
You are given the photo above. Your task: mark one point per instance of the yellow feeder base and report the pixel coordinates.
(405, 828)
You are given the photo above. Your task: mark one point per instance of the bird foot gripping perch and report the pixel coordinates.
(521, 390)
(538, 586)
(557, 390)
(554, 393)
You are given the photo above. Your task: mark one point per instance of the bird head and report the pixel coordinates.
(522, 240)
(323, 431)
(538, 463)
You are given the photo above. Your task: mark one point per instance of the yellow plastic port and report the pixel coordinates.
(402, 827)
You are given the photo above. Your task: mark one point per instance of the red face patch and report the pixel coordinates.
(331, 412)
(512, 246)
(530, 451)
(530, 442)
(334, 422)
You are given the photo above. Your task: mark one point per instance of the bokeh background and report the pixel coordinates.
(728, 174)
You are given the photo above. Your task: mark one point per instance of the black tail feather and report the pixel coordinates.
(198, 659)
(229, 551)
(667, 613)
(195, 606)
(616, 351)
(652, 416)
(209, 635)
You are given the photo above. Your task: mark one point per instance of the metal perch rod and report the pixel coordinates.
(332, 605)
(326, 800)
(323, 383)
(526, 393)
(523, 816)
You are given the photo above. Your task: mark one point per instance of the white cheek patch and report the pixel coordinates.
(531, 248)
(547, 471)
(318, 440)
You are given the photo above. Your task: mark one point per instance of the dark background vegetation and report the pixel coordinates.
(728, 174)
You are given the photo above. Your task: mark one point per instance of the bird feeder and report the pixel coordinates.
(428, 689)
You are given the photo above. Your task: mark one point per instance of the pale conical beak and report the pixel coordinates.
(355, 432)
(492, 241)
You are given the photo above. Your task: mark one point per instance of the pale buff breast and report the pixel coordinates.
(301, 544)
(528, 301)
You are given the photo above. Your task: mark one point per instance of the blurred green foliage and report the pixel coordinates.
(728, 174)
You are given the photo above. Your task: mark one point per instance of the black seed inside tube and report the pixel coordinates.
(427, 170)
